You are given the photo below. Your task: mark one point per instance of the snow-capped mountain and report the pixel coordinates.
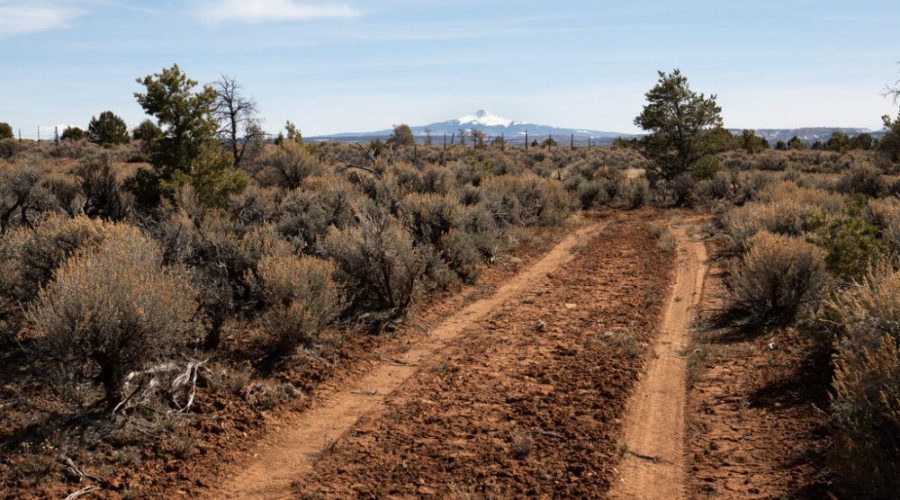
(485, 118)
(515, 132)
(492, 125)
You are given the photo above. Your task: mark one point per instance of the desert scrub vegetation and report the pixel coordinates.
(120, 275)
(865, 401)
(109, 310)
(776, 278)
(302, 298)
(665, 239)
(814, 253)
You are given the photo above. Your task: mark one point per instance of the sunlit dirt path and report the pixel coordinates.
(653, 431)
(285, 456)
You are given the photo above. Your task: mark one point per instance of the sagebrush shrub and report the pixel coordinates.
(538, 201)
(780, 192)
(430, 216)
(33, 256)
(633, 192)
(111, 309)
(288, 164)
(882, 212)
(864, 178)
(378, 263)
(103, 195)
(786, 217)
(866, 387)
(301, 296)
(776, 278)
(307, 212)
(438, 223)
(9, 148)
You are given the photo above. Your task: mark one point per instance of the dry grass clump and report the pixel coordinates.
(302, 298)
(866, 398)
(776, 278)
(633, 193)
(665, 239)
(109, 310)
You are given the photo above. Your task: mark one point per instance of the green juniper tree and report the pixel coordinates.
(6, 131)
(108, 129)
(682, 126)
(796, 144)
(146, 132)
(752, 143)
(402, 136)
(187, 152)
(889, 145)
(73, 134)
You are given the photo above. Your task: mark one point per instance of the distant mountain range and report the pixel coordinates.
(492, 125)
(808, 135)
(515, 132)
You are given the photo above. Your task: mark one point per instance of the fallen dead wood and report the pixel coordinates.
(169, 382)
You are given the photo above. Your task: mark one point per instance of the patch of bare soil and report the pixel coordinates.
(756, 428)
(290, 451)
(653, 435)
(524, 402)
(226, 423)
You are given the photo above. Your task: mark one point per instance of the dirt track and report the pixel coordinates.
(653, 436)
(528, 401)
(287, 455)
(755, 419)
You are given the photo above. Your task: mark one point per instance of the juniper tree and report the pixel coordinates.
(680, 122)
(796, 144)
(752, 143)
(187, 119)
(108, 129)
(73, 134)
(147, 132)
(402, 136)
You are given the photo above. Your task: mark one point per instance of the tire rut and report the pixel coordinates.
(652, 465)
(288, 453)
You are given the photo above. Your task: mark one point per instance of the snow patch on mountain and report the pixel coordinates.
(485, 118)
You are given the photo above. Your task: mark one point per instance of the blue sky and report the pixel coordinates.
(358, 65)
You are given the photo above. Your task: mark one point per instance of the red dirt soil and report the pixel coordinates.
(290, 451)
(223, 426)
(528, 401)
(756, 428)
(653, 434)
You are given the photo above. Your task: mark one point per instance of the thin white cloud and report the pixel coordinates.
(271, 11)
(21, 17)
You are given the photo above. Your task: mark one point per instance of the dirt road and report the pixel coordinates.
(526, 402)
(287, 453)
(654, 425)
